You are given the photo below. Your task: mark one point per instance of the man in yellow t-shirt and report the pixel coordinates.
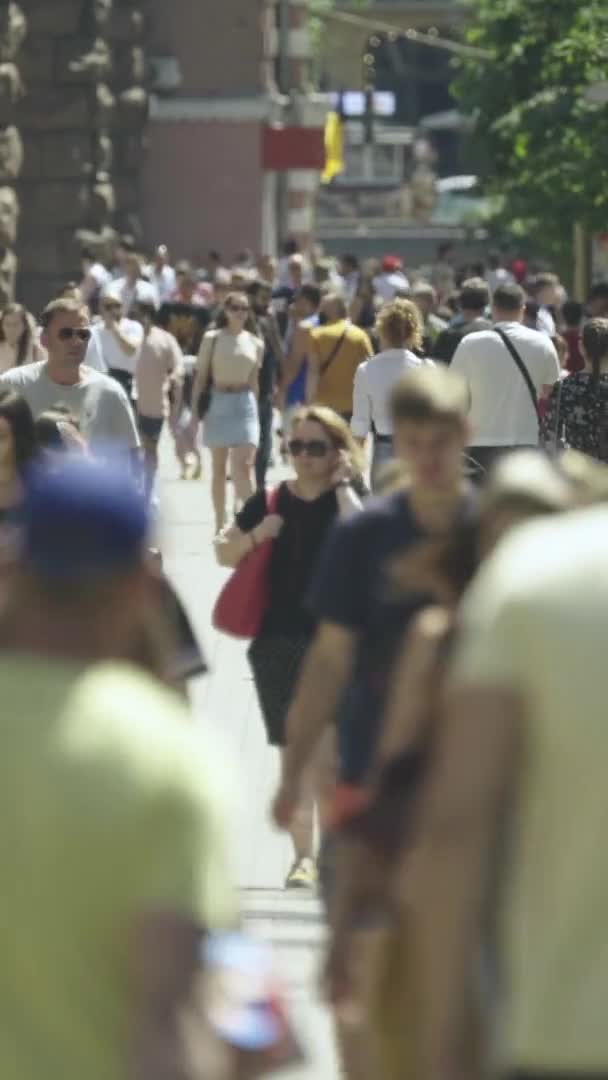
(337, 349)
(524, 731)
(111, 805)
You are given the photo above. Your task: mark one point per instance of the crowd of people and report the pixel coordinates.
(428, 573)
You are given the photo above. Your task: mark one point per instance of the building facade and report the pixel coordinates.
(221, 73)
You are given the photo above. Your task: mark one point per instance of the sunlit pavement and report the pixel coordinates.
(224, 702)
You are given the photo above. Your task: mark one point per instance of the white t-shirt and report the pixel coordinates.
(129, 294)
(164, 281)
(111, 353)
(386, 285)
(502, 413)
(374, 380)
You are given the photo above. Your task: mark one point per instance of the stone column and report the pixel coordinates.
(127, 34)
(65, 118)
(12, 34)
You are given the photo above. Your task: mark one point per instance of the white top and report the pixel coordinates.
(374, 381)
(500, 276)
(546, 322)
(129, 294)
(502, 413)
(109, 348)
(164, 281)
(386, 285)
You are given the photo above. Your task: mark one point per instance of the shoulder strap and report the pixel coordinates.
(334, 352)
(525, 374)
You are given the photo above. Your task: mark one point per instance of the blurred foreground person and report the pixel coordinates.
(17, 450)
(523, 720)
(116, 865)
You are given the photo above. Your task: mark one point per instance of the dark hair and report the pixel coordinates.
(221, 320)
(87, 253)
(430, 395)
(291, 247)
(312, 293)
(532, 309)
(48, 432)
(257, 285)
(509, 297)
(146, 307)
(215, 255)
(18, 415)
(599, 291)
(24, 343)
(573, 312)
(595, 343)
(474, 295)
(351, 260)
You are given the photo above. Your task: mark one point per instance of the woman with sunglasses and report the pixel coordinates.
(326, 463)
(228, 365)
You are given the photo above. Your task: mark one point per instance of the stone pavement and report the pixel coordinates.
(225, 703)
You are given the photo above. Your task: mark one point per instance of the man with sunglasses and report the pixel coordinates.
(118, 339)
(96, 400)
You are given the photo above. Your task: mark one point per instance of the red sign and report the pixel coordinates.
(287, 148)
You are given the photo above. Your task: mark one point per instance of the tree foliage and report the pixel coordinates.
(538, 141)
(317, 25)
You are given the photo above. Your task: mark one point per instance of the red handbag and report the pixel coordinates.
(243, 601)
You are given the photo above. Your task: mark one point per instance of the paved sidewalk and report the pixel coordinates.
(225, 703)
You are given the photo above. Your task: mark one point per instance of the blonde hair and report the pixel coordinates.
(337, 430)
(399, 323)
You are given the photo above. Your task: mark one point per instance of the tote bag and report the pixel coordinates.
(242, 604)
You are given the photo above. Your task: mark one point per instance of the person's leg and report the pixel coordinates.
(150, 448)
(302, 828)
(219, 459)
(241, 466)
(262, 458)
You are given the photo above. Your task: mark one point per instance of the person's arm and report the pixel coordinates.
(254, 378)
(277, 348)
(548, 430)
(233, 545)
(202, 375)
(361, 422)
(552, 369)
(475, 759)
(129, 345)
(325, 674)
(313, 374)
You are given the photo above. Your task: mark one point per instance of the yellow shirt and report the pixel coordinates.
(336, 383)
(535, 620)
(110, 807)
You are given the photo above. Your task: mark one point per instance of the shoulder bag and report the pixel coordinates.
(243, 602)
(525, 374)
(325, 366)
(204, 401)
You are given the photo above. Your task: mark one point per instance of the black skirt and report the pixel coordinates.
(276, 660)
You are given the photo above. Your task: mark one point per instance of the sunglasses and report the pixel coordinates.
(315, 448)
(66, 334)
(238, 307)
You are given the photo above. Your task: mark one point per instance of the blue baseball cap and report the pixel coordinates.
(82, 518)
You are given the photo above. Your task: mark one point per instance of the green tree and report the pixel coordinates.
(317, 26)
(538, 141)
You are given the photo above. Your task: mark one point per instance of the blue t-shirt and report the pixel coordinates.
(296, 391)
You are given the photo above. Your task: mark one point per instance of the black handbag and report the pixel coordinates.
(204, 400)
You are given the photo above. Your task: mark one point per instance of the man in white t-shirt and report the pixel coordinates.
(132, 287)
(504, 410)
(118, 341)
(391, 280)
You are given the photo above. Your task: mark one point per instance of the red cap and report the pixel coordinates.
(391, 263)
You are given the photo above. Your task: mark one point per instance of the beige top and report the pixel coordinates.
(236, 358)
(158, 356)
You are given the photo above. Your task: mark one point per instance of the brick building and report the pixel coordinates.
(215, 83)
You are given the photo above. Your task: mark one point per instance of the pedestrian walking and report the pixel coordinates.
(399, 327)
(270, 373)
(229, 362)
(158, 360)
(474, 300)
(507, 749)
(17, 451)
(508, 369)
(98, 402)
(337, 349)
(577, 408)
(18, 338)
(325, 459)
(117, 340)
(114, 803)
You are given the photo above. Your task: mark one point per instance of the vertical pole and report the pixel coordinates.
(284, 19)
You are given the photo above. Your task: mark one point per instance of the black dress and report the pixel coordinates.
(277, 653)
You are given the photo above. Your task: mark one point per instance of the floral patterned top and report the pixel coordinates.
(577, 411)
